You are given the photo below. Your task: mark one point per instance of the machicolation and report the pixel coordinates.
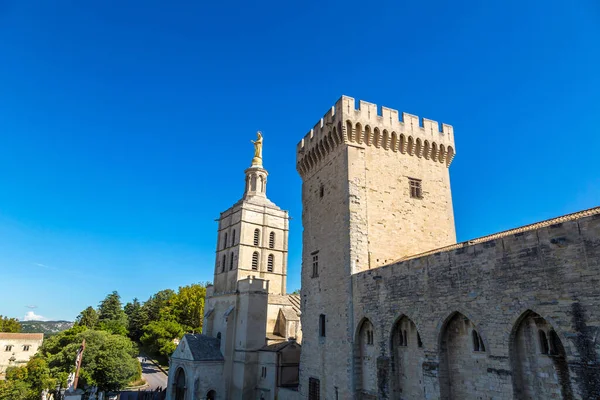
(364, 126)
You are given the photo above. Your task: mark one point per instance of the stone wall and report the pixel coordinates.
(506, 290)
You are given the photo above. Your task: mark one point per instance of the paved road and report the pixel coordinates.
(153, 375)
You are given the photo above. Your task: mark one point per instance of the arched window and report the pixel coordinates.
(223, 262)
(256, 237)
(225, 240)
(543, 342)
(270, 262)
(405, 343)
(555, 346)
(272, 240)
(400, 338)
(231, 261)
(233, 238)
(255, 260)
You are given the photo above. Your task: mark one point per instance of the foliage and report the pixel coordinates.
(87, 318)
(137, 317)
(111, 316)
(187, 306)
(158, 336)
(9, 324)
(108, 360)
(27, 382)
(156, 303)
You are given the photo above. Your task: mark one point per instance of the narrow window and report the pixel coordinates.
(8, 348)
(405, 339)
(315, 265)
(255, 260)
(370, 337)
(554, 343)
(475, 340)
(25, 347)
(233, 238)
(272, 240)
(223, 262)
(270, 262)
(219, 336)
(256, 237)
(322, 325)
(321, 191)
(314, 389)
(415, 188)
(231, 261)
(225, 241)
(400, 338)
(419, 342)
(543, 342)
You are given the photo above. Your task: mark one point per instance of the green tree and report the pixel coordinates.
(16, 390)
(158, 301)
(9, 324)
(88, 318)
(187, 306)
(111, 317)
(108, 360)
(137, 317)
(158, 336)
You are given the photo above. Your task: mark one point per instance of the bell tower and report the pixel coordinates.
(252, 237)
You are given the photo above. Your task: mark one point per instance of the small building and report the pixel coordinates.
(17, 348)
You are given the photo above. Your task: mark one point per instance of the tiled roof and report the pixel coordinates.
(204, 348)
(21, 336)
(279, 346)
(521, 229)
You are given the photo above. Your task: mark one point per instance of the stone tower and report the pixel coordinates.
(375, 190)
(252, 237)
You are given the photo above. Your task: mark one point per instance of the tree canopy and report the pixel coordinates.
(9, 324)
(87, 318)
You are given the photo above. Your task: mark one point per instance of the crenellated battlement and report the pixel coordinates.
(366, 126)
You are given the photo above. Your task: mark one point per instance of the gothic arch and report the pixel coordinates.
(179, 386)
(538, 359)
(365, 359)
(407, 357)
(463, 364)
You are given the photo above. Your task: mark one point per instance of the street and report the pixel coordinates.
(154, 378)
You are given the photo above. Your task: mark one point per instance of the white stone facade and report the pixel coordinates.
(17, 348)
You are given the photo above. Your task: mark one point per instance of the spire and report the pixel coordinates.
(256, 175)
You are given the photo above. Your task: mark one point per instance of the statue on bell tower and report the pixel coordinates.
(257, 160)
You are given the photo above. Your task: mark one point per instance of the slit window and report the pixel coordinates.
(322, 325)
(314, 389)
(370, 337)
(416, 191)
(256, 237)
(272, 240)
(25, 347)
(231, 261)
(419, 341)
(255, 260)
(233, 238)
(477, 341)
(543, 342)
(8, 348)
(225, 240)
(270, 262)
(223, 262)
(554, 343)
(315, 265)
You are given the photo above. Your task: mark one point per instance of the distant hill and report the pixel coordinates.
(48, 328)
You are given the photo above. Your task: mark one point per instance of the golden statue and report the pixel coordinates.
(257, 160)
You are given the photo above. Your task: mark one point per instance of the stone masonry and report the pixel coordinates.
(393, 308)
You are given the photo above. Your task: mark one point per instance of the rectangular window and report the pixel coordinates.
(314, 389)
(25, 347)
(315, 264)
(415, 188)
(8, 348)
(322, 325)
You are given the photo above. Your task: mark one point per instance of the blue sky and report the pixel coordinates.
(125, 127)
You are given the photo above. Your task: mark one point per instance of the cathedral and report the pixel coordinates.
(250, 344)
(392, 306)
